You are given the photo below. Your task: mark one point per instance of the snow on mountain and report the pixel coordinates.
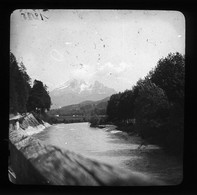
(75, 91)
(84, 87)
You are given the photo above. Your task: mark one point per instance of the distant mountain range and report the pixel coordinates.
(75, 91)
(85, 108)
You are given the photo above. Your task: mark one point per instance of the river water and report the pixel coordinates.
(112, 146)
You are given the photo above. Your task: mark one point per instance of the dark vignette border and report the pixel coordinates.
(187, 8)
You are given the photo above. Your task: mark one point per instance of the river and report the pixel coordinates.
(111, 146)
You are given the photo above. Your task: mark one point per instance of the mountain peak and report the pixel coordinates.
(75, 91)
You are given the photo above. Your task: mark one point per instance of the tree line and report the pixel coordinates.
(22, 97)
(156, 102)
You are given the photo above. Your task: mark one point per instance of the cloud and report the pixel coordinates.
(115, 75)
(112, 69)
(86, 73)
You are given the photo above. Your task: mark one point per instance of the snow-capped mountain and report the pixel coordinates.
(75, 91)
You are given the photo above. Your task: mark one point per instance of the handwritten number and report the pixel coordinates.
(30, 16)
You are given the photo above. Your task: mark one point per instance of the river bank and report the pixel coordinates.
(26, 125)
(150, 158)
(130, 129)
(34, 162)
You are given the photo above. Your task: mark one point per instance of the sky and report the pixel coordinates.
(114, 47)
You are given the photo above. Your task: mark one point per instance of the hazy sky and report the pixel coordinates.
(115, 47)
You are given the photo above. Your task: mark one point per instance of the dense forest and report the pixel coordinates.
(156, 103)
(23, 97)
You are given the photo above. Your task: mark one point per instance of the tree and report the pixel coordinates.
(112, 107)
(13, 95)
(126, 106)
(156, 102)
(39, 98)
(26, 77)
(169, 75)
(19, 86)
(151, 110)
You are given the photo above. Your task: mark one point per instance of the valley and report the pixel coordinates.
(82, 112)
(76, 91)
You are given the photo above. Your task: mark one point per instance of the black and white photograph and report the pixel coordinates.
(96, 97)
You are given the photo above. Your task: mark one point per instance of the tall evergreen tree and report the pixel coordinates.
(19, 86)
(13, 95)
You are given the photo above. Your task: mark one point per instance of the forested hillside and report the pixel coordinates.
(86, 108)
